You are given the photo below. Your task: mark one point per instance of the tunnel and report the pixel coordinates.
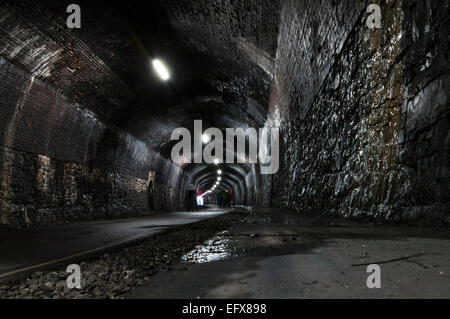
(271, 149)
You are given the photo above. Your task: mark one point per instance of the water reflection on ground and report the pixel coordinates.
(214, 249)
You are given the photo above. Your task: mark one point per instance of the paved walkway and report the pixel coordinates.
(31, 249)
(265, 259)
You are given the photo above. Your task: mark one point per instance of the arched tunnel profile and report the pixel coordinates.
(226, 149)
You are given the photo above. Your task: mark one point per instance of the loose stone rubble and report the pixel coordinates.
(113, 274)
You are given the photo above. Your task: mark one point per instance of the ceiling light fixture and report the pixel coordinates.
(205, 138)
(161, 69)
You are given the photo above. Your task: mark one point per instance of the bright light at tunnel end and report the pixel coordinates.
(161, 69)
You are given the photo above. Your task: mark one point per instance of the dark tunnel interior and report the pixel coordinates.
(88, 124)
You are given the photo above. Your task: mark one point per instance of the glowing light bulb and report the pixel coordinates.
(161, 69)
(205, 138)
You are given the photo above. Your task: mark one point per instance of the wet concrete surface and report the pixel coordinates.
(275, 255)
(257, 254)
(27, 249)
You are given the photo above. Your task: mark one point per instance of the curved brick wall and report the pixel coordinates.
(59, 163)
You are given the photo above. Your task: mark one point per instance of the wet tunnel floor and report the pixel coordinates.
(260, 255)
(267, 258)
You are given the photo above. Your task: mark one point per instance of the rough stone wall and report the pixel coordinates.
(311, 33)
(257, 188)
(371, 138)
(59, 163)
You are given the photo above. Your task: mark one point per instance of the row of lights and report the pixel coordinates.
(164, 74)
(206, 139)
(219, 178)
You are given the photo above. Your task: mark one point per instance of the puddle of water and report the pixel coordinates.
(214, 249)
